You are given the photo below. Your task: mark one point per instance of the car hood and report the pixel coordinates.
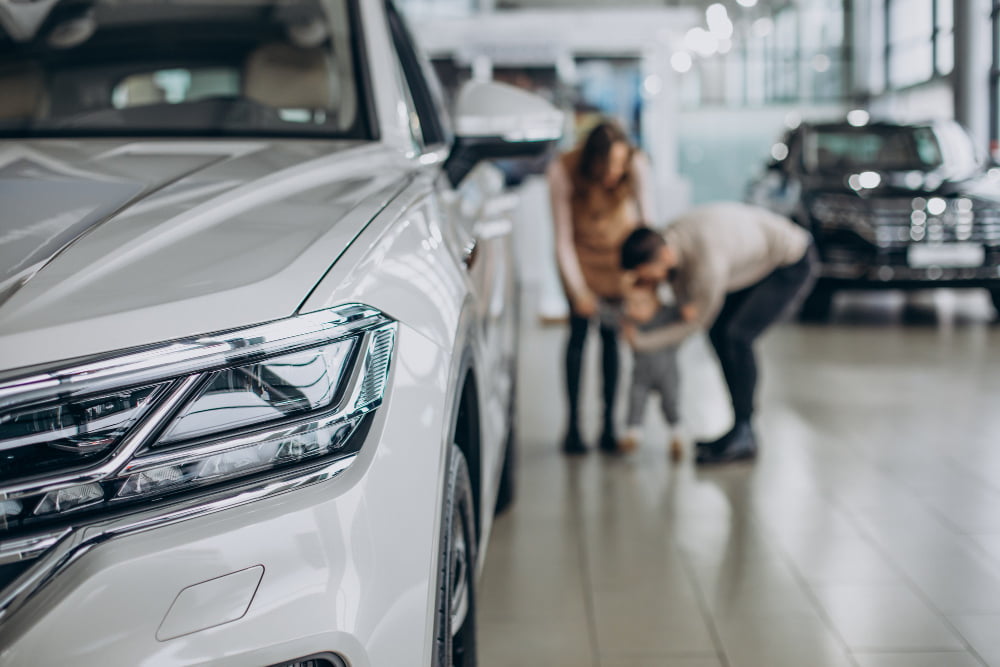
(111, 244)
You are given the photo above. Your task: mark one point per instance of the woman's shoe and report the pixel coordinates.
(573, 444)
(609, 442)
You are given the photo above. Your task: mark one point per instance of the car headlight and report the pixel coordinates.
(171, 420)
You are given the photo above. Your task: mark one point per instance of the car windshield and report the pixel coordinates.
(873, 148)
(163, 67)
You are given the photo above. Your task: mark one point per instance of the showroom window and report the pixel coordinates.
(944, 36)
(995, 85)
(792, 56)
(910, 41)
(920, 41)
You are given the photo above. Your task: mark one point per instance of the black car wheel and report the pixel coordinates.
(507, 488)
(508, 476)
(819, 303)
(995, 296)
(455, 622)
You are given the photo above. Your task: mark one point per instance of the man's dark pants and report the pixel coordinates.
(745, 315)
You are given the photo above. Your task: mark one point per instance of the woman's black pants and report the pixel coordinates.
(744, 316)
(578, 327)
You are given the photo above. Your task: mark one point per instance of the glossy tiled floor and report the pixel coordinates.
(867, 534)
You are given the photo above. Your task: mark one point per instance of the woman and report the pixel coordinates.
(600, 192)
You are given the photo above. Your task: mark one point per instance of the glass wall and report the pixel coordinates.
(794, 54)
(995, 85)
(920, 41)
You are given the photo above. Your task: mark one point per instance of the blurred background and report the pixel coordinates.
(707, 89)
(866, 535)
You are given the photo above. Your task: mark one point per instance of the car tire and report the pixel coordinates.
(819, 303)
(507, 490)
(455, 618)
(995, 297)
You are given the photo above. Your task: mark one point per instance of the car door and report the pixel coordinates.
(485, 212)
(479, 213)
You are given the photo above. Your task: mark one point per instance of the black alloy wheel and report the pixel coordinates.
(507, 490)
(455, 622)
(995, 297)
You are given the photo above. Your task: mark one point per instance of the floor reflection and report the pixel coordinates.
(864, 535)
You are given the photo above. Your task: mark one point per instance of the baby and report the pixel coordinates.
(654, 370)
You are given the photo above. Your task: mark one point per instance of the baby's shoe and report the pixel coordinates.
(630, 442)
(675, 450)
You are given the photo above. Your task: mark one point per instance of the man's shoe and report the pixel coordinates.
(738, 445)
(573, 444)
(715, 445)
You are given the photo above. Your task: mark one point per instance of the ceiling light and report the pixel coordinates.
(681, 61)
(701, 42)
(718, 21)
(762, 27)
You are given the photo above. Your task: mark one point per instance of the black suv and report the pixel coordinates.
(890, 205)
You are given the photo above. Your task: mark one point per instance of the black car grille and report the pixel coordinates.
(899, 222)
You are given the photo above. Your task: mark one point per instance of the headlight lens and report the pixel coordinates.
(312, 441)
(43, 438)
(217, 409)
(279, 388)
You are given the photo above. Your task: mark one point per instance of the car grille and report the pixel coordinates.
(902, 221)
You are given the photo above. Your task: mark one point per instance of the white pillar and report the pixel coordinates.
(973, 46)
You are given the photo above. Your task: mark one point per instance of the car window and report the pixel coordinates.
(176, 86)
(409, 106)
(880, 148)
(421, 81)
(257, 67)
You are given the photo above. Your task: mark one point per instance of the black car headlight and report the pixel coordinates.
(172, 420)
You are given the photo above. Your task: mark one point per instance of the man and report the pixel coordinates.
(734, 269)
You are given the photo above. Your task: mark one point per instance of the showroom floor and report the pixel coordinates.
(867, 534)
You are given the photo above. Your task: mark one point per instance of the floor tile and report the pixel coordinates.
(981, 631)
(781, 640)
(865, 535)
(949, 659)
(885, 617)
(554, 644)
(661, 660)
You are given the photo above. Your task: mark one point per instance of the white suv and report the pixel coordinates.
(257, 335)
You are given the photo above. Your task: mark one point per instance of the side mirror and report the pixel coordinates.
(495, 120)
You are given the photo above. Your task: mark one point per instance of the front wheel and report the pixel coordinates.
(455, 621)
(995, 297)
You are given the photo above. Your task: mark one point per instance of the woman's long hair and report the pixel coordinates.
(594, 158)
